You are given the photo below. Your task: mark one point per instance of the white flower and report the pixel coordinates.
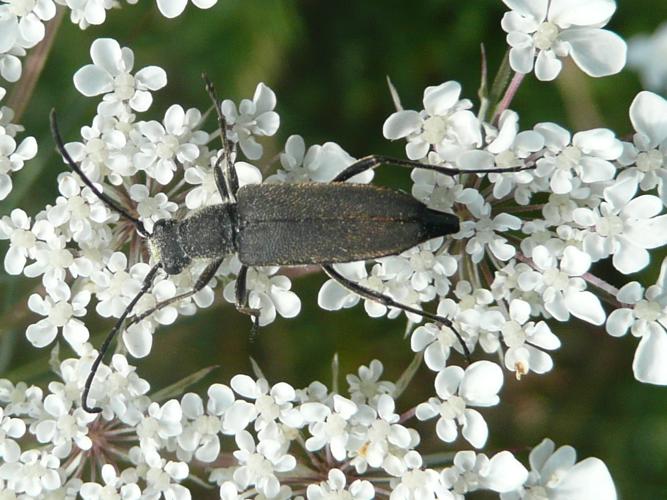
(436, 341)
(588, 157)
(271, 403)
(318, 164)
(527, 342)
(482, 233)
(329, 427)
(30, 15)
(113, 485)
(59, 314)
(253, 118)
(62, 426)
(624, 226)
(646, 158)
(335, 487)
(417, 483)
(162, 480)
(115, 286)
(472, 472)
(161, 423)
(16, 228)
(10, 429)
(644, 319)
(174, 8)
(556, 475)
(445, 124)
(87, 12)
(110, 75)
(378, 440)
(51, 260)
(12, 158)
(560, 285)
(457, 389)
(258, 464)
(200, 431)
(36, 473)
(542, 32)
(151, 208)
(269, 293)
(172, 145)
(646, 56)
(367, 386)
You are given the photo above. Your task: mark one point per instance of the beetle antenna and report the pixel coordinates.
(229, 181)
(222, 122)
(148, 281)
(105, 199)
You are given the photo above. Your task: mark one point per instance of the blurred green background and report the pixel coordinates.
(327, 63)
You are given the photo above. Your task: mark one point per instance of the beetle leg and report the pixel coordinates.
(374, 161)
(242, 299)
(206, 276)
(385, 300)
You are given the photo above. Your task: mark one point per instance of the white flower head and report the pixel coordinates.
(557, 474)
(110, 74)
(446, 125)
(457, 389)
(253, 118)
(542, 32)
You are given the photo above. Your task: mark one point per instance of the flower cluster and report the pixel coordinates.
(147, 449)
(12, 155)
(539, 209)
(22, 24)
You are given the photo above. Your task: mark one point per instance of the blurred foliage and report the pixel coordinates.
(327, 62)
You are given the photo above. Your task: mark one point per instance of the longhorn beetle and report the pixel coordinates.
(284, 225)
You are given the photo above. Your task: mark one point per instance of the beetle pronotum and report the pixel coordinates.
(284, 225)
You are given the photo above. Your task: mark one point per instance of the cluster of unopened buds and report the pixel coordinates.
(523, 260)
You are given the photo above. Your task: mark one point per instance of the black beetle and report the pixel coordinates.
(285, 225)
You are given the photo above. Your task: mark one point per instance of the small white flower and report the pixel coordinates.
(563, 291)
(645, 318)
(646, 56)
(254, 118)
(35, 474)
(268, 292)
(445, 124)
(110, 74)
(471, 472)
(171, 145)
(457, 389)
(271, 403)
(12, 159)
(113, 485)
(317, 164)
(259, 464)
(540, 33)
(482, 233)
(588, 157)
(59, 314)
(16, 228)
(335, 487)
(10, 429)
(151, 208)
(556, 474)
(329, 427)
(624, 226)
(367, 386)
(174, 8)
